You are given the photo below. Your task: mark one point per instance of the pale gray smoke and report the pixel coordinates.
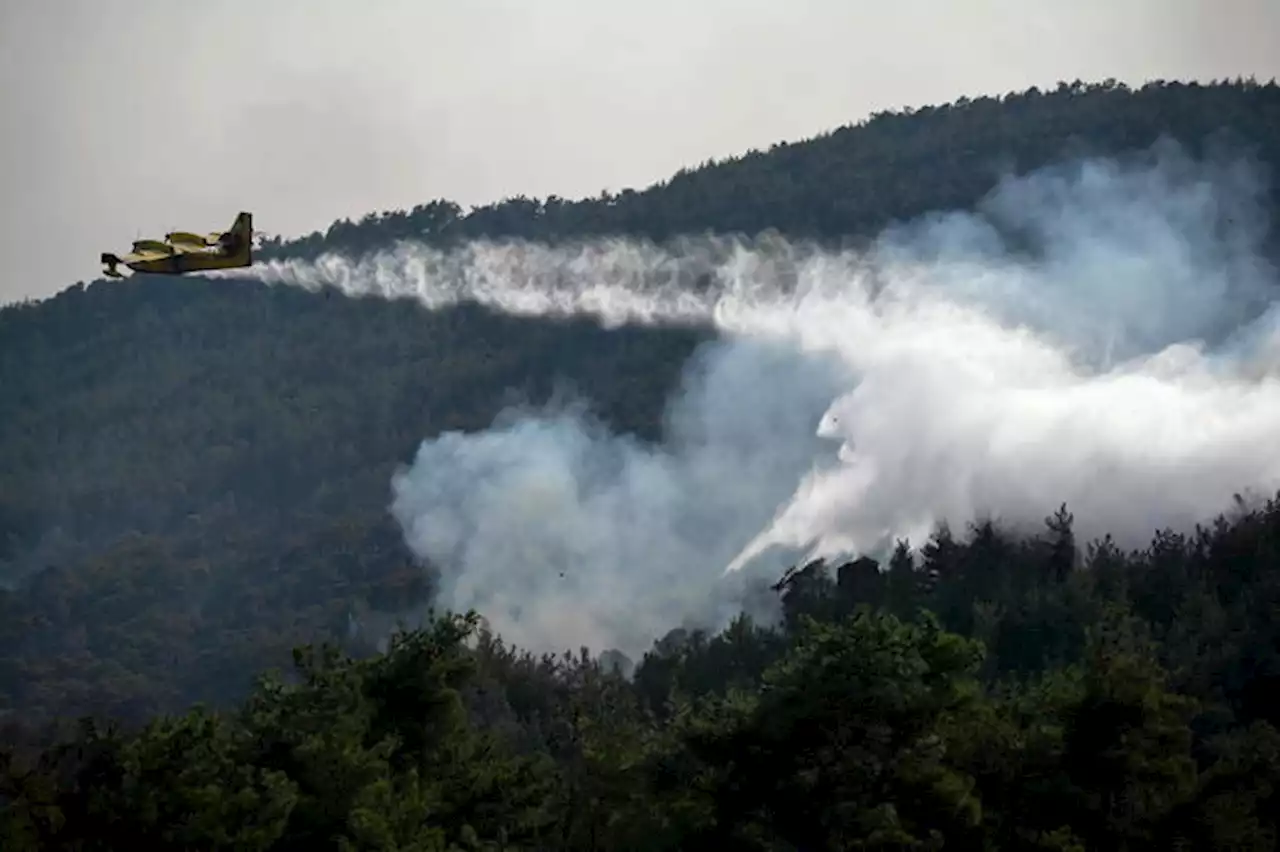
(561, 534)
(1100, 334)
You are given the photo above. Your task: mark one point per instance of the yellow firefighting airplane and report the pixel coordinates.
(182, 251)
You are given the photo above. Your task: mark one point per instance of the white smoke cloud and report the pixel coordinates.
(561, 534)
(1100, 334)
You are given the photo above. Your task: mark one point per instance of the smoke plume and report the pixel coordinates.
(1099, 333)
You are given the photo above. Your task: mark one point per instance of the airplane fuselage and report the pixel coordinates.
(190, 261)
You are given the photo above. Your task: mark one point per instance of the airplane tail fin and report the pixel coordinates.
(243, 225)
(238, 241)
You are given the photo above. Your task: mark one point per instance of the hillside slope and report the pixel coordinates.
(194, 474)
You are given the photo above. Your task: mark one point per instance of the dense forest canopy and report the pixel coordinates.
(194, 481)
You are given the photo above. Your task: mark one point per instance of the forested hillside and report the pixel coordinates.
(857, 179)
(194, 481)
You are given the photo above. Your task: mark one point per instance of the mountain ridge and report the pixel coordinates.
(217, 422)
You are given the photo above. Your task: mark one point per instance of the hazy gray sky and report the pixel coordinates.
(135, 117)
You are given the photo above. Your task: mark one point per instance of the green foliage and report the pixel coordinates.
(844, 726)
(192, 488)
(843, 746)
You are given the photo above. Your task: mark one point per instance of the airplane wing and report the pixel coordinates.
(151, 246)
(186, 238)
(146, 250)
(156, 249)
(144, 254)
